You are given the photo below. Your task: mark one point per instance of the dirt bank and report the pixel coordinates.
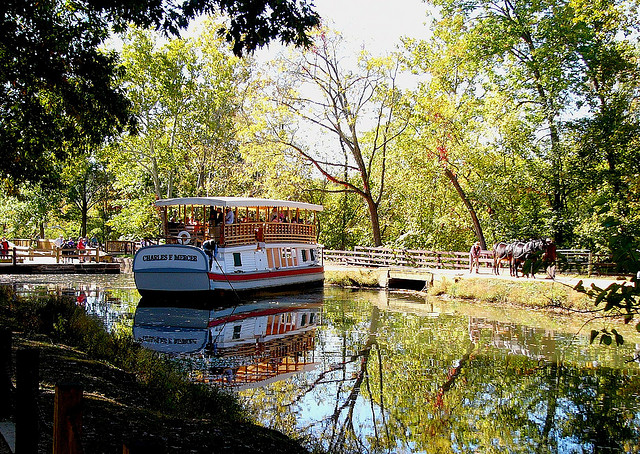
(116, 410)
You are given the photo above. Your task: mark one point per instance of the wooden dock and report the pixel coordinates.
(23, 259)
(60, 268)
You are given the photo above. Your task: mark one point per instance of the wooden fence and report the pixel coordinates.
(18, 254)
(577, 260)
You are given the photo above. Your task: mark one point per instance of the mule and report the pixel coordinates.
(501, 251)
(527, 254)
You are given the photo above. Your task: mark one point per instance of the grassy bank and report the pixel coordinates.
(130, 393)
(363, 278)
(524, 293)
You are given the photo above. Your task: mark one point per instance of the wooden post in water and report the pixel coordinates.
(5, 372)
(67, 419)
(27, 383)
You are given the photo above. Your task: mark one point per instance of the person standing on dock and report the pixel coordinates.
(4, 248)
(81, 246)
(474, 257)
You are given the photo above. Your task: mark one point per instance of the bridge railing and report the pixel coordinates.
(578, 260)
(413, 258)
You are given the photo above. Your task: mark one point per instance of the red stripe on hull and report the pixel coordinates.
(256, 313)
(239, 277)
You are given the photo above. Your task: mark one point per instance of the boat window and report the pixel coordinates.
(304, 319)
(311, 318)
(304, 255)
(313, 255)
(237, 260)
(236, 331)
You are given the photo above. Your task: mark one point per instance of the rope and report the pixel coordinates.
(213, 341)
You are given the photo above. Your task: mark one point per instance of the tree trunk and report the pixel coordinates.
(85, 210)
(375, 220)
(477, 228)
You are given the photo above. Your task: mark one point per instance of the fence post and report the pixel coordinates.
(97, 255)
(5, 372)
(67, 419)
(590, 264)
(27, 383)
(14, 260)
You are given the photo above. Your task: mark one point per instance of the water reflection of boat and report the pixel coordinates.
(175, 330)
(242, 346)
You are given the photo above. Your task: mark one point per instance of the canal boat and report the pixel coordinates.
(224, 245)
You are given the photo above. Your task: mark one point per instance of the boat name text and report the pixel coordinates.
(167, 340)
(179, 257)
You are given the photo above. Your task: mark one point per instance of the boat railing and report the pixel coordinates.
(268, 232)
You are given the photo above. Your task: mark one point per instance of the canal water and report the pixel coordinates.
(373, 371)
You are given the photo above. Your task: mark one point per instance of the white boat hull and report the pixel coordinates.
(178, 269)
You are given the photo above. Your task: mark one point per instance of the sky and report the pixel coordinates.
(378, 24)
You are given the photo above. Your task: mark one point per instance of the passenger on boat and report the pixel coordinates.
(229, 217)
(219, 216)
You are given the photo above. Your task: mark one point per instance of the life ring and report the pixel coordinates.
(184, 237)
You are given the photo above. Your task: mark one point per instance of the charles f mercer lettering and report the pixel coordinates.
(154, 257)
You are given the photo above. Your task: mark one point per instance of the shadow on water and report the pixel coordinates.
(369, 371)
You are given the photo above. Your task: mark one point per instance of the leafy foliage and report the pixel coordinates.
(616, 300)
(58, 89)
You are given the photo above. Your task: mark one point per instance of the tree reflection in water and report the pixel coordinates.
(393, 374)
(409, 379)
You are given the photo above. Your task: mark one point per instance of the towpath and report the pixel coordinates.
(566, 279)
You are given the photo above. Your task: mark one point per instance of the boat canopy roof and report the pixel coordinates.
(237, 202)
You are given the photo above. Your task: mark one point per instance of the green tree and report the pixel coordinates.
(85, 180)
(554, 61)
(448, 123)
(57, 88)
(31, 210)
(606, 144)
(520, 44)
(188, 95)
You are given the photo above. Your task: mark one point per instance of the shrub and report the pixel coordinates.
(67, 323)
